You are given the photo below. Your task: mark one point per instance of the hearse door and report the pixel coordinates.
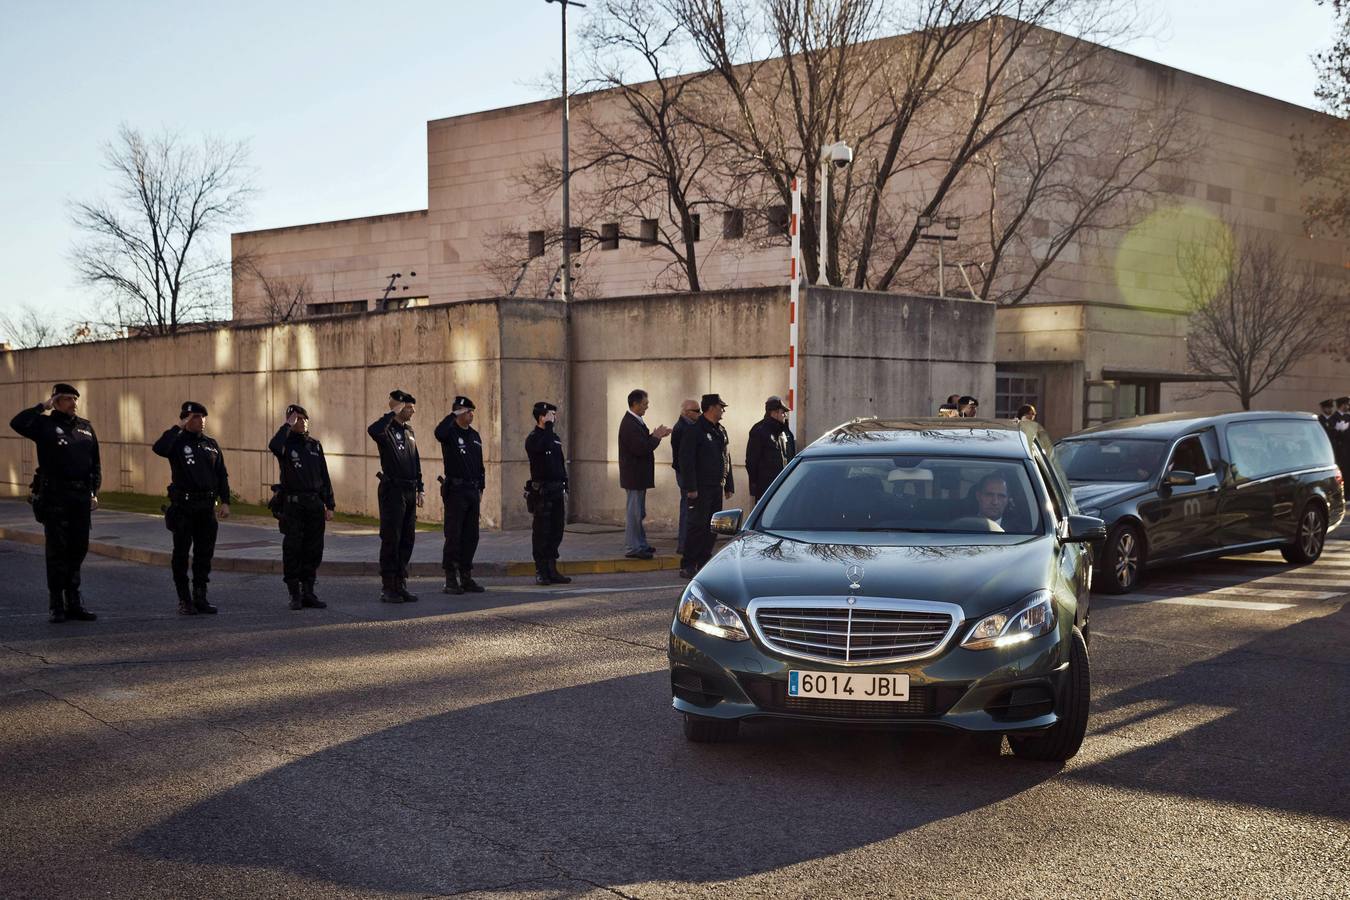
(1259, 501)
(1180, 518)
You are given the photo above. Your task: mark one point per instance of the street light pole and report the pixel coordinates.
(566, 163)
(836, 154)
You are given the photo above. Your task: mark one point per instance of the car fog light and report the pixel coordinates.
(699, 611)
(1018, 624)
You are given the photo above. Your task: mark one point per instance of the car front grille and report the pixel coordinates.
(868, 631)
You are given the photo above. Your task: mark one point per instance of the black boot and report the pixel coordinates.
(199, 600)
(554, 575)
(407, 595)
(308, 597)
(57, 608)
(452, 585)
(294, 588)
(467, 583)
(389, 590)
(541, 574)
(75, 609)
(185, 607)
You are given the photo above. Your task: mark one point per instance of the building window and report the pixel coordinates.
(536, 244)
(1013, 390)
(335, 309)
(574, 240)
(647, 231)
(609, 236)
(695, 228)
(1217, 194)
(733, 224)
(778, 220)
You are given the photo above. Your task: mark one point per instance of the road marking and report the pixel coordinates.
(1278, 593)
(1208, 601)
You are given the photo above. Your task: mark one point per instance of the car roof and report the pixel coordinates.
(1167, 426)
(945, 437)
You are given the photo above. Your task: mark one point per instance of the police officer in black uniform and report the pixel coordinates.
(1327, 418)
(306, 502)
(705, 474)
(69, 477)
(1340, 444)
(199, 480)
(546, 493)
(400, 494)
(462, 492)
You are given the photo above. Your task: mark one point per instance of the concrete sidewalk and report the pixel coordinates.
(249, 544)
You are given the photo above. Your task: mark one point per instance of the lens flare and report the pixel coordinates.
(1150, 258)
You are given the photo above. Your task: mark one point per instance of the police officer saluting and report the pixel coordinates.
(400, 493)
(199, 480)
(706, 477)
(462, 492)
(69, 478)
(546, 492)
(306, 498)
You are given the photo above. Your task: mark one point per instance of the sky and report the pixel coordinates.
(333, 97)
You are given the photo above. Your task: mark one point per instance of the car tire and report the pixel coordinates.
(1061, 741)
(702, 730)
(1310, 538)
(1122, 567)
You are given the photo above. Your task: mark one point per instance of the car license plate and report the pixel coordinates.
(847, 686)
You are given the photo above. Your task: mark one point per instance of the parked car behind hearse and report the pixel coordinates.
(1185, 486)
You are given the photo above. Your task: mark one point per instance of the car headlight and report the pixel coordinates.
(698, 610)
(1017, 624)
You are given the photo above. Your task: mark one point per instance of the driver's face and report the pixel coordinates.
(993, 499)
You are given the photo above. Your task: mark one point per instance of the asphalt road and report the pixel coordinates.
(520, 743)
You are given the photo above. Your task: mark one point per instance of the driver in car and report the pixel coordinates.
(991, 498)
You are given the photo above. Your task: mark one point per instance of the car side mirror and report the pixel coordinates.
(1084, 530)
(728, 521)
(1180, 478)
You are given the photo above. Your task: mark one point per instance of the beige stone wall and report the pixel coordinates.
(339, 262)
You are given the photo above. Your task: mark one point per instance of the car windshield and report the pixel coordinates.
(1111, 459)
(933, 494)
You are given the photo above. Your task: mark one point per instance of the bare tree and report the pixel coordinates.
(1323, 155)
(1254, 311)
(284, 298)
(30, 327)
(146, 247)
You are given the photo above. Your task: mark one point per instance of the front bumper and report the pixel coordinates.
(1001, 690)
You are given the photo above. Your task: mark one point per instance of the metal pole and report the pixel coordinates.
(941, 283)
(566, 174)
(794, 306)
(822, 276)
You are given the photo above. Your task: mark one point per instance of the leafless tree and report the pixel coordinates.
(1255, 312)
(30, 327)
(146, 246)
(284, 298)
(1323, 153)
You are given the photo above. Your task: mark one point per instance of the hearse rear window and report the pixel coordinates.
(1258, 449)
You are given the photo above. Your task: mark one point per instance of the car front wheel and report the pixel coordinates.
(1122, 563)
(1310, 538)
(1061, 741)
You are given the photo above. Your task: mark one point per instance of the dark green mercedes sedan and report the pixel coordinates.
(911, 574)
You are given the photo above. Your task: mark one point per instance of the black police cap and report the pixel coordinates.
(190, 407)
(402, 396)
(66, 390)
(775, 404)
(966, 400)
(1340, 401)
(463, 403)
(543, 406)
(1327, 403)
(296, 408)
(711, 400)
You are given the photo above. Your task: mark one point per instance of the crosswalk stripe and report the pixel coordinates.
(1281, 578)
(1238, 591)
(1209, 601)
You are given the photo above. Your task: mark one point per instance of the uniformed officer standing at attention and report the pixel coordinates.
(547, 493)
(462, 493)
(199, 480)
(400, 494)
(69, 479)
(306, 504)
(706, 477)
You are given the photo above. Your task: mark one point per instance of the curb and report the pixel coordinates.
(162, 558)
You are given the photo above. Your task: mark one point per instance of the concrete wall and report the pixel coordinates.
(862, 354)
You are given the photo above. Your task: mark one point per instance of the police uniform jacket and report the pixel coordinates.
(768, 449)
(682, 426)
(303, 467)
(705, 462)
(399, 460)
(67, 448)
(545, 450)
(462, 450)
(637, 454)
(197, 465)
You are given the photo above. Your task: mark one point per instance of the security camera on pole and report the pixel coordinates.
(837, 155)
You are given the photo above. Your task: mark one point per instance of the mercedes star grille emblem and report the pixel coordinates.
(854, 573)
